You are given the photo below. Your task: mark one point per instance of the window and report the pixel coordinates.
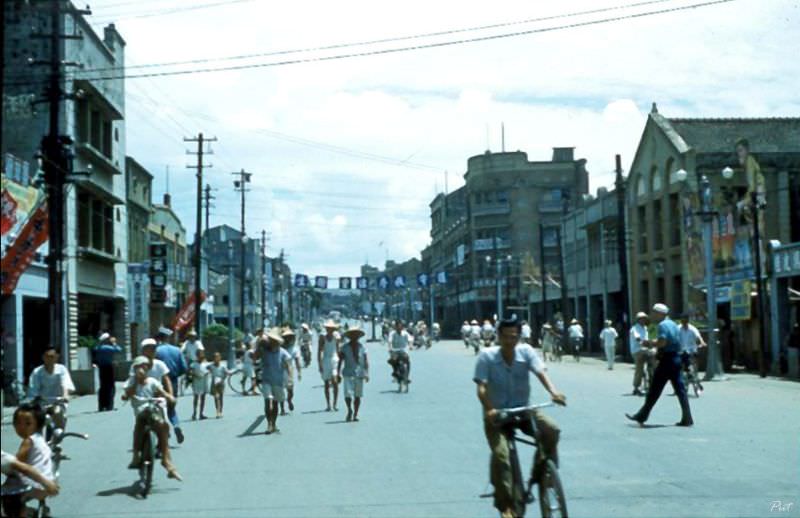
(641, 188)
(656, 179)
(658, 217)
(641, 220)
(95, 223)
(674, 221)
(502, 196)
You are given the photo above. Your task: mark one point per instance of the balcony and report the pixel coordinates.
(490, 244)
(491, 210)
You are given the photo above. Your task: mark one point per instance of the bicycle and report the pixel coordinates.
(552, 501)
(401, 373)
(13, 388)
(689, 373)
(148, 445)
(576, 348)
(237, 381)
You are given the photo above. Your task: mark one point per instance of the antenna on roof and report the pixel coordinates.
(167, 179)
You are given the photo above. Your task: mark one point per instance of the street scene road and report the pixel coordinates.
(424, 453)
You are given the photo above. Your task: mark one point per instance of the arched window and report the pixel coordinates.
(641, 187)
(657, 179)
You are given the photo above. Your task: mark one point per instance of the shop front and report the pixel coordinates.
(785, 307)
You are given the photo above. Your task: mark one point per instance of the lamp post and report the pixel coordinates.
(714, 360)
(498, 293)
(757, 205)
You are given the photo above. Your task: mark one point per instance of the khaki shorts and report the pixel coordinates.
(353, 387)
(274, 392)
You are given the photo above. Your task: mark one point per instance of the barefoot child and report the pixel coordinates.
(200, 377)
(218, 374)
(139, 389)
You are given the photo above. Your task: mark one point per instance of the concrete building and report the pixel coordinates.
(216, 240)
(95, 215)
(486, 232)
(166, 227)
(138, 183)
(666, 255)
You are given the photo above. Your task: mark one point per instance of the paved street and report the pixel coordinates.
(424, 454)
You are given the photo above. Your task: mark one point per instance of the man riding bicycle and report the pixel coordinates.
(399, 343)
(52, 384)
(501, 373)
(690, 341)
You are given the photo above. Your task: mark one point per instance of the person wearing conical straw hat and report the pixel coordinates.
(328, 358)
(276, 367)
(290, 346)
(354, 366)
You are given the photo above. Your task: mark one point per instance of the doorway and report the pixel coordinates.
(35, 332)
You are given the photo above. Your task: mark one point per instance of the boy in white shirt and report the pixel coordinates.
(52, 382)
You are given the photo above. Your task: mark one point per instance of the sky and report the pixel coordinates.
(346, 154)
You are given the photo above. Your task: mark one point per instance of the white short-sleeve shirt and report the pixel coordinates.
(157, 371)
(148, 389)
(50, 385)
(609, 336)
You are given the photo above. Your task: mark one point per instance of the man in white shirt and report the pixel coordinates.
(690, 341)
(608, 337)
(52, 382)
(575, 333)
(465, 329)
(190, 348)
(158, 369)
(642, 355)
(526, 333)
(399, 343)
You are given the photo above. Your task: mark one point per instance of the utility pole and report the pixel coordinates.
(561, 259)
(57, 165)
(198, 249)
(755, 207)
(263, 276)
(241, 186)
(622, 253)
(543, 273)
(231, 358)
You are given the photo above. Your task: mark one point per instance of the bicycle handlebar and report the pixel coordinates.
(504, 415)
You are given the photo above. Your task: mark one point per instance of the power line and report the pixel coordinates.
(406, 48)
(385, 40)
(164, 12)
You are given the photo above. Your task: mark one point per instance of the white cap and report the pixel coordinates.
(165, 331)
(148, 342)
(140, 360)
(661, 308)
(104, 337)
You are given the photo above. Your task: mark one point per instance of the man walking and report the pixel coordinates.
(608, 337)
(354, 366)
(104, 359)
(642, 356)
(173, 358)
(668, 345)
(276, 368)
(328, 358)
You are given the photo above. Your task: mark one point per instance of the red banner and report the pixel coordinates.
(9, 217)
(20, 254)
(186, 315)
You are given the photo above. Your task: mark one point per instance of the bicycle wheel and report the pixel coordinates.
(552, 501)
(236, 381)
(519, 496)
(148, 459)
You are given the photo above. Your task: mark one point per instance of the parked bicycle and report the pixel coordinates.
(552, 501)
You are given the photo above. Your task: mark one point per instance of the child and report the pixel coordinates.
(218, 374)
(200, 383)
(13, 468)
(248, 370)
(289, 344)
(33, 451)
(138, 389)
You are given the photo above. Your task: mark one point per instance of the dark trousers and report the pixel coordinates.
(105, 396)
(171, 413)
(668, 369)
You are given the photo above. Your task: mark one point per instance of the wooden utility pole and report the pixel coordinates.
(198, 249)
(241, 186)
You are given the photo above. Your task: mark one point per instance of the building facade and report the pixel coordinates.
(95, 216)
(138, 182)
(666, 253)
(165, 227)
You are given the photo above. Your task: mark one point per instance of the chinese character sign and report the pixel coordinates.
(321, 282)
(345, 283)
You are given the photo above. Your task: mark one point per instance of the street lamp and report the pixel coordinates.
(714, 361)
(497, 275)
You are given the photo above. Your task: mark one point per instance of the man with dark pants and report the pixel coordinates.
(668, 345)
(172, 356)
(104, 359)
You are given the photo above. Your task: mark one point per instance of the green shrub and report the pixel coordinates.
(220, 331)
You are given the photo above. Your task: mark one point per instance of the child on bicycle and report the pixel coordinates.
(139, 388)
(218, 374)
(33, 451)
(199, 383)
(12, 468)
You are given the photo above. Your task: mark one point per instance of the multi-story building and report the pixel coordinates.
(667, 258)
(223, 258)
(138, 183)
(166, 227)
(484, 233)
(95, 219)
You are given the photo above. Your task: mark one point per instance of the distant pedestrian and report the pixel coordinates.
(219, 373)
(276, 366)
(290, 346)
(200, 376)
(328, 358)
(642, 355)
(575, 333)
(526, 333)
(172, 356)
(608, 337)
(668, 345)
(354, 366)
(248, 368)
(103, 354)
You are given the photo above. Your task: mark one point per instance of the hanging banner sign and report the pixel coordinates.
(400, 281)
(300, 281)
(186, 315)
(383, 282)
(20, 255)
(9, 217)
(321, 282)
(441, 277)
(345, 283)
(740, 300)
(362, 283)
(423, 280)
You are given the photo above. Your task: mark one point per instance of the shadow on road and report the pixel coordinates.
(323, 411)
(647, 425)
(133, 491)
(337, 422)
(251, 429)
(393, 391)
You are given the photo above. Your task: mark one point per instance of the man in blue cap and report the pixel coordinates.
(104, 359)
(668, 345)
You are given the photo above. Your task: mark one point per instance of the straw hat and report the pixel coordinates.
(573, 321)
(305, 326)
(191, 333)
(474, 322)
(547, 326)
(287, 331)
(354, 330)
(274, 335)
(104, 337)
(330, 324)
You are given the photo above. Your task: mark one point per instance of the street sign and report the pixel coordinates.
(423, 280)
(300, 280)
(441, 277)
(321, 282)
(383, 282)
(362, 283)
(400, 281)
(345, 283)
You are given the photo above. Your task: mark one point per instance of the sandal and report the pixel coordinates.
(173, 473)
